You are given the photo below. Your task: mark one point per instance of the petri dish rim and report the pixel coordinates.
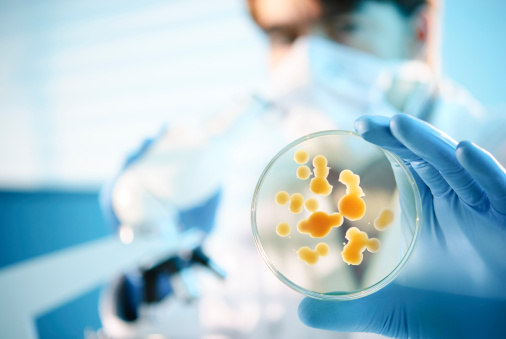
(354, 294)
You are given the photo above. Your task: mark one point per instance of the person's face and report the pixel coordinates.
(284, 21)
(374, 27)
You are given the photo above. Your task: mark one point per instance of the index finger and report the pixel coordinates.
(486, 171)
(439, 150)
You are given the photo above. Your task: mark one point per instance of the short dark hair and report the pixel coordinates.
(335, 7)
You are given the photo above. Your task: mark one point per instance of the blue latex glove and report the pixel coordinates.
(455, 283)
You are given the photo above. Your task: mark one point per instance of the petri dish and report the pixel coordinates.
(387, 184)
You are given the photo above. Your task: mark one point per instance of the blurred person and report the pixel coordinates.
(340, 65)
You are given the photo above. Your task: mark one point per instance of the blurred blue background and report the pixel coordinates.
(81, 83)
(473, 49)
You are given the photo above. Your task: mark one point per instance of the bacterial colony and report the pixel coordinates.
(319, 224)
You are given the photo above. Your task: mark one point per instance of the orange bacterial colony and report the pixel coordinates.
(303, 172)
(319, 224)
(311, 257)
(301, 156)
(351, 205)
(283, 229)
(358, 241)
(384, 219)
(319, 184)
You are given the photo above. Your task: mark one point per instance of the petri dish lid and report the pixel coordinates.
(387, 184)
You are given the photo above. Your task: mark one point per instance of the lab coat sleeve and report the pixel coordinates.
(177, 173)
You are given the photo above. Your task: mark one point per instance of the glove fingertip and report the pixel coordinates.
(375, 129)
(370, 123)
(362, 123)
(400, 124)
(468, 152)
(486, 170)
(473, 157)
(322, 314)
(307, 313)
(333, 315)
(463, 152)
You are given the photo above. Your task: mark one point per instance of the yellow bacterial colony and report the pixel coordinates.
(358, 241)
(319, 184)
(384, 219)
(296, 203)
(311, 257)
(311, 204)
(319, 223)
(303, 172)
(301, 156)
(283, 229)
(282, 198)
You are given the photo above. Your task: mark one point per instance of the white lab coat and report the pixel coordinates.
(236, 146)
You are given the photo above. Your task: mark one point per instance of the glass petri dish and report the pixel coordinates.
(386, 183)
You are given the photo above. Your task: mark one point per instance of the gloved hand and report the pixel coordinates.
(455, 283)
